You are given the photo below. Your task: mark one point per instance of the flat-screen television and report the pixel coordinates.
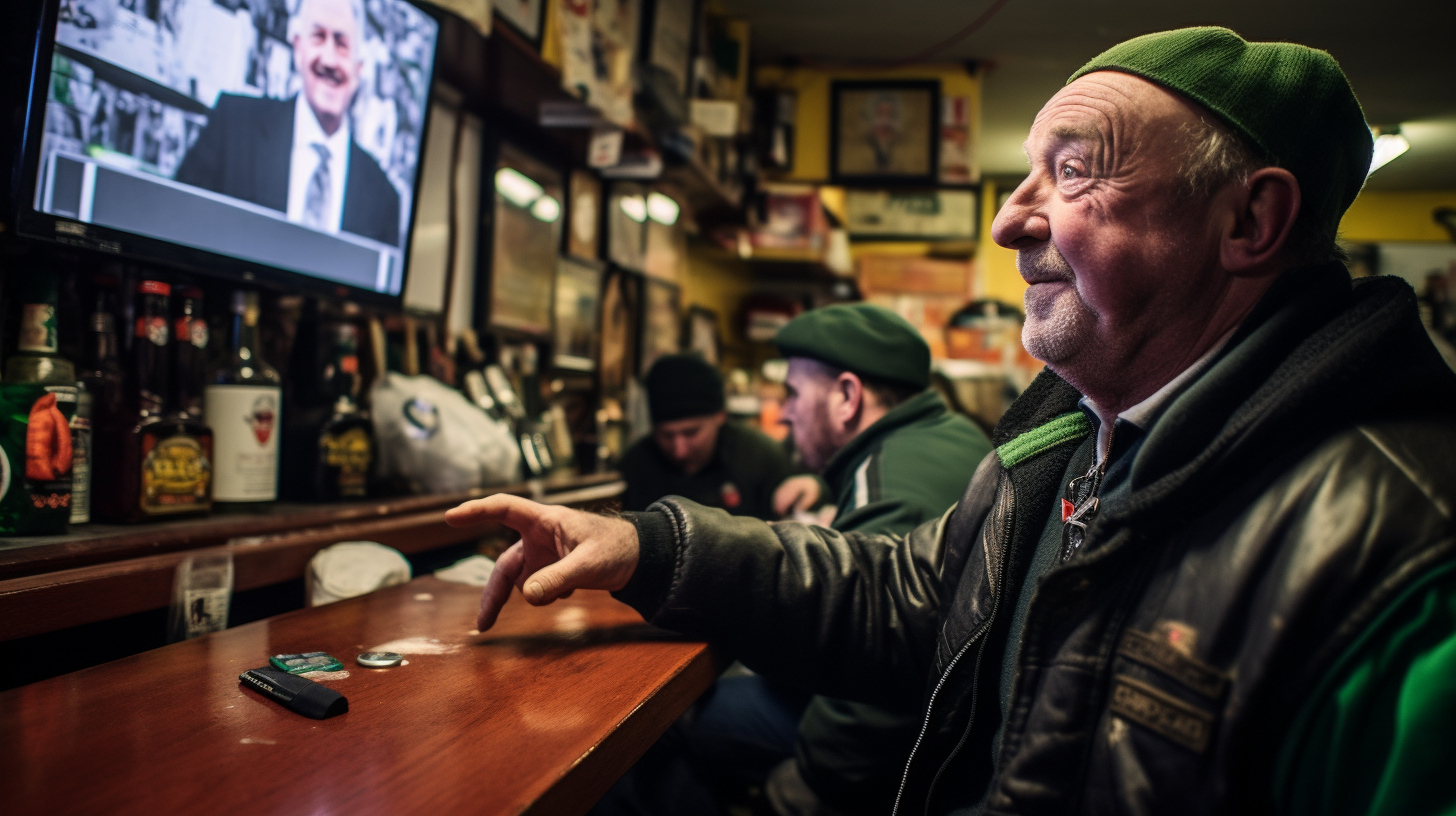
(258, 139)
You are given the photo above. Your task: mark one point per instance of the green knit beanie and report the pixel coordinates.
(1291, 102)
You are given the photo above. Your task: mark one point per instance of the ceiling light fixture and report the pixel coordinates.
(1389, 144)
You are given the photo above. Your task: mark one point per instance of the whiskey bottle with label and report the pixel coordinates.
(242, 403)
(166, 459)
(345, 445)
(41, 384)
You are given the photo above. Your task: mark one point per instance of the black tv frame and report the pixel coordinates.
(33, 225)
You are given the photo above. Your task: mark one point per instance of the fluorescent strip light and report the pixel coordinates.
(662, 209)
(546, 209)
(1388, 146)
(634, 207)
(516, 187)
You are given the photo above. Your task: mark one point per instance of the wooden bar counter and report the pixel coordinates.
(539, 715)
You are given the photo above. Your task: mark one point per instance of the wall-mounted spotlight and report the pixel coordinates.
(516, 187)
(546, 209)
(662, 209)
(635, 207)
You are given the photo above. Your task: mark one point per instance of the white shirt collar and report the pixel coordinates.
(1142, 415)
(307, 130)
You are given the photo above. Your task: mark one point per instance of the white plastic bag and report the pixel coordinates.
(431, 435)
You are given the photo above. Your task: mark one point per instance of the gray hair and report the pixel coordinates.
(1215, 156)
(355, 6)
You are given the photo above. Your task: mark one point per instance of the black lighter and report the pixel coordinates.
(295, 693)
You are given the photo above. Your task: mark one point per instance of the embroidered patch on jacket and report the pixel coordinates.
(1163, 713)
(1164, 656)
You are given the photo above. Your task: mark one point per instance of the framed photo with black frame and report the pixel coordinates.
(700, 333)
(578, 314)
(884, 132)
(661, 326)
(526, 17)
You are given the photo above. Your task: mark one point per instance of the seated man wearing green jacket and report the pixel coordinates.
(894, 457)
(1211, 567)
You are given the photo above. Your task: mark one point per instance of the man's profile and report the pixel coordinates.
(298, 155)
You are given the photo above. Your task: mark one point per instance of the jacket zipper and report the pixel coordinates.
(1008, 502)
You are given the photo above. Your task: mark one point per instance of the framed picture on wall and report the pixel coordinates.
(627, 225)
(884, 132)
(525, 16)
(661, 322)
(700, 333)
(584, 216)
(528, 195)
(620, 300)
(578, 314)
(670, 48)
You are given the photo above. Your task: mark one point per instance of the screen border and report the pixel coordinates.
(33, 224)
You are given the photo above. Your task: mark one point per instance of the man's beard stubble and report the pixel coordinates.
(1056, 318)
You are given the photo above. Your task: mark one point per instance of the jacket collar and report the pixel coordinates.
(925, 405)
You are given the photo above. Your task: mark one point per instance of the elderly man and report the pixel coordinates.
(298, 156)
(1211, 567)
(694, 451)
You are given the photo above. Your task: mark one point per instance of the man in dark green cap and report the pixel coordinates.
(1212, 565)
(893, 457)
(694, 451)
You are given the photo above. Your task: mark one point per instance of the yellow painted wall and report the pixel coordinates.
(718, 281)
(1396, 216)
(811, 120)
(995, 264)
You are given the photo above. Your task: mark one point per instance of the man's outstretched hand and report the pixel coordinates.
(560, 550)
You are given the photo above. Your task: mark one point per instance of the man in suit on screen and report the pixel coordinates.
(298, 155)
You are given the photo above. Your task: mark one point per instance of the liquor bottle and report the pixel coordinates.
(41, 384)
(189, 352)
(345, 444)
(242, 403)
(166, 460)
(102, 378)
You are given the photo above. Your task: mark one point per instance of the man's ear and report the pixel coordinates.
(1264, 212)
(851, 394)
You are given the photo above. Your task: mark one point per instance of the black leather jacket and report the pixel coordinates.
(1275, 508)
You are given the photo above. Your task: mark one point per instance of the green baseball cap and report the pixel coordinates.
(1291, 102)
(869, 340)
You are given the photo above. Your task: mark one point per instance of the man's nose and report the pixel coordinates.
(680, 448)
(1022, 222)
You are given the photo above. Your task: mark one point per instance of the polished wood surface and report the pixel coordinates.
(539, 715)
(33, 604)
(100, 543)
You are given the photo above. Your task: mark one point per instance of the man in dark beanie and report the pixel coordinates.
(694, 452)
(1211, 566)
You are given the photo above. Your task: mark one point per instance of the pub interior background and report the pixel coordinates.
(594, 185)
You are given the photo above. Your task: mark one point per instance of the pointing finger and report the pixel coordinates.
(498, 587)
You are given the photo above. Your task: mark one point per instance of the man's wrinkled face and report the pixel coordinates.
(689, 443)
(326, 50)
(808, 390)
(1111, 247)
